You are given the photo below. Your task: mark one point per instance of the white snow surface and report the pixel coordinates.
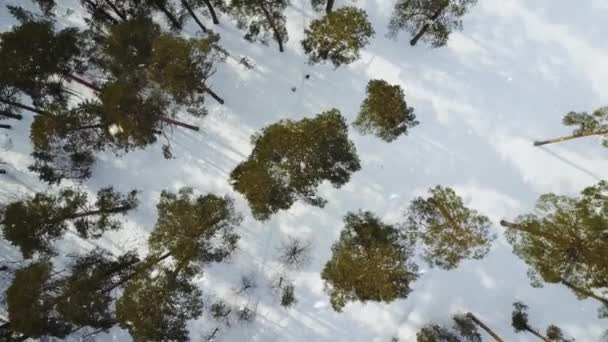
(506, 79)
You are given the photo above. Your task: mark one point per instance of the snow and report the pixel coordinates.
(504, 81)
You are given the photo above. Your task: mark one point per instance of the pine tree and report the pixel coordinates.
(34, 223)
(448, 231)
(338, 36)
(207, 7)
(319, 5)
(564, 241)
(585, 125)
(384, 112)
(370, 262)
(519, 321)
(263, 20)
(429, 20)
(474, 320)
(156, 307)
(31, 302)
(288, 298)
(291, 158)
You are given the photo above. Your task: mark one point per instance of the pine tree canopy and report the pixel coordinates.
(263, 20)
(291, 158)
(370, 262)
(338, 36)
(448, 231)
(440, 17)
(564, 240)
(384, 112)
(194, 230)
(34, 223)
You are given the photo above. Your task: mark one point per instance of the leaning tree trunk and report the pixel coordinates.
(181, 124)
(82, 82)
(329, 6)
(8, 114)
(275, 30)
(537, 334)
(211, 11)
(484, 327)
(168, 14)
(24, 107)
(585, 292)
(426, 26)
(214, 95)
(116, 10)
(5, 126)
(569, 137)
(115, 210)
(193, 15)
(96, 8)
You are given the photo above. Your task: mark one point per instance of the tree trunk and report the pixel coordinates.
(329, 6)
(82, 128)
(193, 15)
(25, 107)
(484, 327)
(10, 115)
(211, 11)
(181, 124)
(5, 126)
(2, 172)
(426, 26)
(83, 82)
(569, 137)
(214, 95)
(585, 292)
(116, 10)
(168, 14)
(94, 7)
(114, 210)
(277, 36)
(537, 334)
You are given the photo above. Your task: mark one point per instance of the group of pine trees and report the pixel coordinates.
(137, 76)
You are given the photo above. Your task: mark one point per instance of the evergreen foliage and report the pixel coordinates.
(448, 231)
(263, 20)
(338, 36)
(34, 223)
(291, 158)
(429, 20)
(384, 112)
(370, 262)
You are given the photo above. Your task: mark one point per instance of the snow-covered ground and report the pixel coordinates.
(507, 79)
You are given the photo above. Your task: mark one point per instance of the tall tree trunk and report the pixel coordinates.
(25, 107)
(107, 15)
(484, 327)
(8, 114)
(426, 26)
(5, 126)
(585, 292)
(193, 15)
(115, 210)
(116, 10)
(214, 95)
(277, 35)
(537, 334)
(569, 137)
(329, 6)
(83, 82)
(211, 11)
(168, 14)
(181, 124)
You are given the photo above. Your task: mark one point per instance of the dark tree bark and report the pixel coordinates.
(426, 26)
(214, 95)
(168, 14)
(329, 6)
(277, 36)
(484, 327)
(179, 123)
(2, 172)
(5, 126)
(585, 292)
(193, 15)
(115, 210)
(25, 107)
(121, 15)
(10, 115)
(569, 137)
(537, 334)
(211, 11)
(83, 82)
(103, 12)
